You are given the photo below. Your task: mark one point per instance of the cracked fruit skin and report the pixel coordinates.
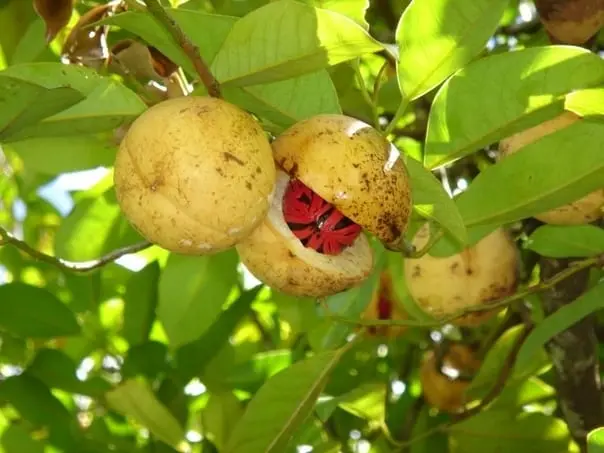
(194, 175)
(274, 255)
(353, 167)
(442, 286)
(444, 391)
(586, 209)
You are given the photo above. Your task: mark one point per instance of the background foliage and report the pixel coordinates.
(146, 351)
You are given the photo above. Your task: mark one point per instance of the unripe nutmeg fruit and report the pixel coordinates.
(194, 175)
(584, 210)
(444, 385)
(442, 286)
(337, 176)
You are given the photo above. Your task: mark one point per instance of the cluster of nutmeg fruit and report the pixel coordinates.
(198, 175)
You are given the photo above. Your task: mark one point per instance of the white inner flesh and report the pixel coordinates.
(355, 259)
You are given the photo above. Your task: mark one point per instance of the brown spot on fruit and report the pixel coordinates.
(231, 157)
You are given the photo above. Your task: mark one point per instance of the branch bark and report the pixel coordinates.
(574, 355)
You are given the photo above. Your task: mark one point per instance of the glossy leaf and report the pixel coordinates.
(219, 416)
(140, 302)
(557, 241)
(533, 181)
(16, 439)
(495, 431)
(586, 103)
(558, 322)
(30, 311)
(192, 291)
(354, 9)
(595, 440)
(517, 394)
(438, 37)
(23, 103)
(491, 367)
(431, 201)
(193, 358)
(509, 92)
(206, 31)
(107, 105)
(95, 227)
(300, 40)
(136, 399)
(74, 153)
(288, 101)
(266, 426)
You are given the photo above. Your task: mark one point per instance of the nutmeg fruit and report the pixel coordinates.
(584, 210)
(442, 286)
(384, 305)
(194, 175)
(444, 384)
(338, 179)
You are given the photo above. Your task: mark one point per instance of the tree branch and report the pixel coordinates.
(7, 238)
(574, 355)
(548, 283)
(190, 49)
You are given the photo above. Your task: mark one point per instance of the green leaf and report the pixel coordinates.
(499, 95)
(558, 322)
(250, 375)
(354, 9)
(140, 301)
(365, 401)
(134, 398)
(148, 359)
(30, 311)
(350, 304)
(300, 40)
(587, 103)
(193, 358)
(53, 155)
(530, 182)
(288, 101)
(516, 394)
(431, 201)
(281, 405)
(595, 440)
(23, 103)
(206, 31)
(438, 37)
(192, 291)
(36, 404)
(108, 103)
(16, 439)
(95, 227)
(219, 416)
(556, 241)
(496, 431)
(57, 370)
(495, 359)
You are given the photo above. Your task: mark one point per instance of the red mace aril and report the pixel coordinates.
(315, 222)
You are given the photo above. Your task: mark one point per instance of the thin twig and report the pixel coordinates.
(190, 49)
(7, 238)
(487, 306)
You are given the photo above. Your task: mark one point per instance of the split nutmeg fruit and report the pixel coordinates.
(194, 175)
(442, 286)
(584, 210)
(337, 178)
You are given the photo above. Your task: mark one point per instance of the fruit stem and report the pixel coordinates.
(190, 49)
(409, 250)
